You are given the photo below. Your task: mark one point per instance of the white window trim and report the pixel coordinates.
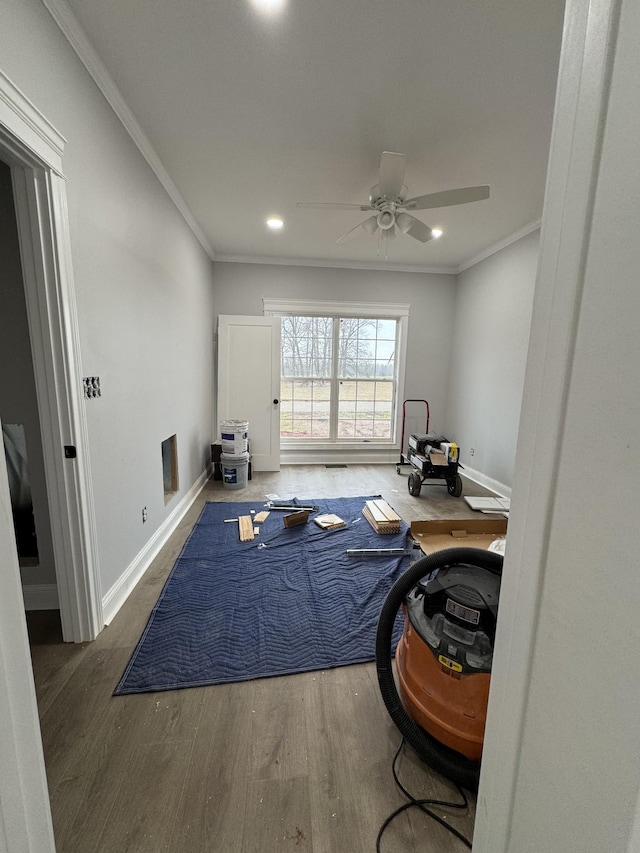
(318, 307)
(274, 307)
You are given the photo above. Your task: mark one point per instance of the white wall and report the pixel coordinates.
(239, 289)
(583, 726)
(492, 318)
(144, 294)
(561, 770)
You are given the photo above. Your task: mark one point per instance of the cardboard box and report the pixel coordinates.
(436, 534)
(438, 458)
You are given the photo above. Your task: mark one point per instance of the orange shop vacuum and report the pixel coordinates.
(443, 659)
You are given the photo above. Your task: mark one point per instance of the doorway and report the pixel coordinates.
(21, 432)
(31, 149)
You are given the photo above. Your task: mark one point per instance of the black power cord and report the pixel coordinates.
(422, 805)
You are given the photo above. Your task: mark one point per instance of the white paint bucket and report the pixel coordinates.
(234, 470)
(234, 436)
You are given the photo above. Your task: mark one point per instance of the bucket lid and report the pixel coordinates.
(233, 423)
(235, 457)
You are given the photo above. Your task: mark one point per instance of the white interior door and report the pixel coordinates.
(249, 382)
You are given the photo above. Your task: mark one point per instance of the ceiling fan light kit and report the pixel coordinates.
(386, 219)
(388, 198)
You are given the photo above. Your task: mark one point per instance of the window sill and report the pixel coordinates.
(355, 444)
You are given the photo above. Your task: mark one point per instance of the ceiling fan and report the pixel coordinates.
(388, 199)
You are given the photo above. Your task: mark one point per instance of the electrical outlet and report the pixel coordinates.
(471, 451)
(91, 387)
(144, 514)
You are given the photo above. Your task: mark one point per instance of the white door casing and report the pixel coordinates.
(249, 382)
(589, 43)
(33, 149)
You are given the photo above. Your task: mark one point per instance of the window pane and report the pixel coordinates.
(385, 349)
(365, 374)
(306, 346)
(365, 410)
(304, 411)
(367, 348)
(347, 409)
(386, 330)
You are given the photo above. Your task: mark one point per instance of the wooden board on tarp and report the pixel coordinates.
(329, 521)
(295, 518)
(245, 526)
(383, 518)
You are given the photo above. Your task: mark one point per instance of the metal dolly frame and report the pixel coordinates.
(422, 468)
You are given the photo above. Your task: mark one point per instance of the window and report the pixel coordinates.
(339, 376)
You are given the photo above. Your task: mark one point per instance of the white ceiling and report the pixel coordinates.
(250, 114)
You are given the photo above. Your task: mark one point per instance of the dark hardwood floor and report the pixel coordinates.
(296, 763)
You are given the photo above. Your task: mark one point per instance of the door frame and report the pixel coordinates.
(588, 49)
(33, 149)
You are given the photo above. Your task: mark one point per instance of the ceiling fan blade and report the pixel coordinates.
(369, 226)
(414, 227)
(448, 198)
(391, 177)
(329, 205)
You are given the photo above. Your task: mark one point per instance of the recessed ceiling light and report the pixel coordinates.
(436, 232)
(269, 7)
(275, 224)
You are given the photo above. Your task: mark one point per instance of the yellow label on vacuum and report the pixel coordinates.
(451, 664)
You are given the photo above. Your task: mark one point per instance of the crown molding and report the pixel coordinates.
(25, 121)
(383, 266)
(501, 244)
(333, 264)
(62, 14)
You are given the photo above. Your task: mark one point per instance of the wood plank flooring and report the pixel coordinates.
(299, 763)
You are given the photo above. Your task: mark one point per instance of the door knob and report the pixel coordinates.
(275, 402)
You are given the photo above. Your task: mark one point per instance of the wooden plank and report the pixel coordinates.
(380, 523)
(211, 813)
(387, 513)
(99, 769)
(295, 518)
(375, 511)
(261, 516)
(279, 812)
(245, 526)
(329, 521)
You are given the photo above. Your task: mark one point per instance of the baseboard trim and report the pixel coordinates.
(481, 479)
(40, 596)
(122, 588)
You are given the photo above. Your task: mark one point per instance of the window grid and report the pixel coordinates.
(355, 401)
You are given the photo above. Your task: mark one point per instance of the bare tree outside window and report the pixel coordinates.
(338, 378)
